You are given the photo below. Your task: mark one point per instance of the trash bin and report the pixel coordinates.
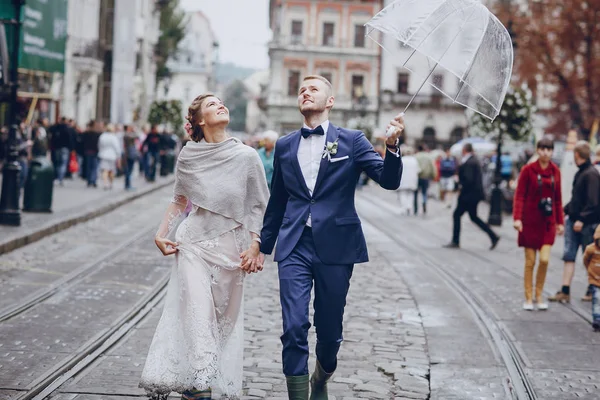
(39, 186)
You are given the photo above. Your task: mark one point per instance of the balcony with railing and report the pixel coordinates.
(324, 45)
(86, 54)
(434, 100)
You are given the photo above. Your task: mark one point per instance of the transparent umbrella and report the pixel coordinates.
(459, 36)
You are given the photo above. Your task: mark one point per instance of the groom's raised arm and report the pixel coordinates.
(275, 208)
(387, 173)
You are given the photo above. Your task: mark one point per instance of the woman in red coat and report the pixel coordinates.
(538, 216)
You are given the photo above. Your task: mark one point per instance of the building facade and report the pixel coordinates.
(83, 66)
(193, 67)
(325, 38)
(432, 118)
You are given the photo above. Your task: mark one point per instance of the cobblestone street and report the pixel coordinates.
(79, 308)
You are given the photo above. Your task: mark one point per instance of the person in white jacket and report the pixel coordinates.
(410, 180)
(109, 153)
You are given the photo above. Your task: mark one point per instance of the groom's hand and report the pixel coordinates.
(398, 124)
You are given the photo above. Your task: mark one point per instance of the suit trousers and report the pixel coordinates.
(470, 207)
(331, 282)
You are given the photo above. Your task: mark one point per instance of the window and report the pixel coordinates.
(359, 35)
(429, 137)
(357, 86)
(328, 29)
(326, 75)
(293, 83)
(402, 82)
(456, 134)
(296, 32)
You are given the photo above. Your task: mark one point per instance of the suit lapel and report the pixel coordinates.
(295, 143)
(332, 135)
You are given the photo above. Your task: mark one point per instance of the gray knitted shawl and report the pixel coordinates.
(225, 178)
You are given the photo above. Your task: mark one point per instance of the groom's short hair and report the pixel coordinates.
(322, 79)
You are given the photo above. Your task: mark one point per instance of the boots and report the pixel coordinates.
(297, 387)
(318, 383)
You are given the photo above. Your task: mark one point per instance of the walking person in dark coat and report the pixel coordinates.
(583, 216)
(538, 216)
(471, 193)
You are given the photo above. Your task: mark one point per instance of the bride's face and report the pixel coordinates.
(214, 112)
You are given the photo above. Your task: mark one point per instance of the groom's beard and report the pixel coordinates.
(315, 109)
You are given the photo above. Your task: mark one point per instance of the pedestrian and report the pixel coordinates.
(471, 193)
(583, 216)
(62, 144)
(90, 153)
(109, 153)
(410, 180)
(131, 154)
(319, 237)
(267, 153)
(538, 217)
(198, 343)
(448, 169)
(597, 161)
(151, 147)
(591, 260)
(427, 173)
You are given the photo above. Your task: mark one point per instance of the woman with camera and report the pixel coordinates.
(538, 216)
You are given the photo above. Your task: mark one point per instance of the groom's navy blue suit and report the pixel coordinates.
(326, 252)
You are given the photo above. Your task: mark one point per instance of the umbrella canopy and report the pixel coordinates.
(460, 36)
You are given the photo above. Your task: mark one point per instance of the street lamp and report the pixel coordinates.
(9, 200)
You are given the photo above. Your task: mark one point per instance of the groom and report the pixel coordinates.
(311, 211)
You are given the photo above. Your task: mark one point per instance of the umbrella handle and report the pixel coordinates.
(392, 129)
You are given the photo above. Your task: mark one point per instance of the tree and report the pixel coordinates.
(167, 113)
(236, 100)
(558, 49)
(172, 30)
(515, 118)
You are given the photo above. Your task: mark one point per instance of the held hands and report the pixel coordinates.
(166, 246)
(518, 225)
(395, 129)
(252, 259)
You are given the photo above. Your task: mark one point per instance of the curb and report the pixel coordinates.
(56, 226)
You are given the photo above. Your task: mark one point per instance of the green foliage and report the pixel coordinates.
(172, 30)
(168, 113)
(515, 118)
(236, 100)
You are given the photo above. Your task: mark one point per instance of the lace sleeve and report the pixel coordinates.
(173, 216)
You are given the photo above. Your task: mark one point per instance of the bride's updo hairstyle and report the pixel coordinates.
(195, 115)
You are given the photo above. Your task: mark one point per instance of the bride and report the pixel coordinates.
(198, 344)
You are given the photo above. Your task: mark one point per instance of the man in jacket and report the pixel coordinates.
(583, 216)
(471, 193)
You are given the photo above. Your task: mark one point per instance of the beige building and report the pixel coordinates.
(325, 38)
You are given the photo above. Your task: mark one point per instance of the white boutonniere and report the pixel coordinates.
(330, 149)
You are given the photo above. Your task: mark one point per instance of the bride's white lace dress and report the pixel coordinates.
(199, 340)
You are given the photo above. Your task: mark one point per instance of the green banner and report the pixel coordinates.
(44, 35)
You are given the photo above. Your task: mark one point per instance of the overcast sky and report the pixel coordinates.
(241, 28)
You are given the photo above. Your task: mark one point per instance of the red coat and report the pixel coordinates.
(538, 229)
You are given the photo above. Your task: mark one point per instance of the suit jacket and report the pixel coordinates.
(471, 181)
(336, 228)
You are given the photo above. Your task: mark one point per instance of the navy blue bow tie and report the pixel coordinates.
(307, 132)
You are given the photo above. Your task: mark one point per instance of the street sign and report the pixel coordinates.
(44, 36)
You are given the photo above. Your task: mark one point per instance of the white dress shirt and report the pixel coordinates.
(310, 152)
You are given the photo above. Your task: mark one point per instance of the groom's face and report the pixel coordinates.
(314, 96)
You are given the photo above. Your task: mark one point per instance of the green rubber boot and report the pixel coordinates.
(318, 383)
(297, 387)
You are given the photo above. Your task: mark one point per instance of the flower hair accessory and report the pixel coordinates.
(188, 128)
